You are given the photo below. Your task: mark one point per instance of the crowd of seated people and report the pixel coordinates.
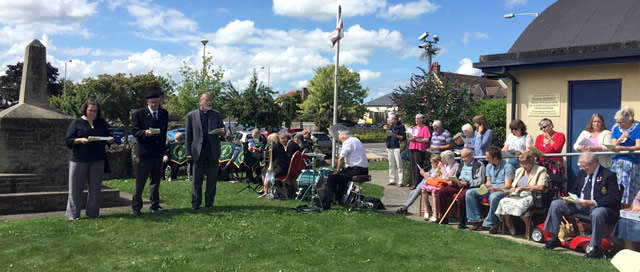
(604, 185)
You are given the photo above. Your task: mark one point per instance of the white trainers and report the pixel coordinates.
(426, 217)
(433, 219)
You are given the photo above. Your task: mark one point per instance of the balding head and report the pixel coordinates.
(205, 102)
(179, 137)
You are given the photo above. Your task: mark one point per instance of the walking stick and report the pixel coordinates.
(453, 201)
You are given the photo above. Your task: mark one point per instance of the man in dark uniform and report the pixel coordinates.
(598, 197)
(150, 129)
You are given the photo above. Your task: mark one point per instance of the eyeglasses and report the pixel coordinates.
(543, 127)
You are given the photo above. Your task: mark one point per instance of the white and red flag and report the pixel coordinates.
(338, 33)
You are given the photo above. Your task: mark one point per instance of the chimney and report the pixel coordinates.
(304, 94)
(436, 67)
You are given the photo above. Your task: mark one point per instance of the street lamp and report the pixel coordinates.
(204, 47)
(64, 83)
(511, 15)
(268, 75)
(429, 49)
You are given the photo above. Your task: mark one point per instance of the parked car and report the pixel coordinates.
(243, 136)
(119, 133)
(234, 126)
(322, 143)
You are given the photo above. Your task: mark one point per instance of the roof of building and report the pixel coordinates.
(385, 101)
(574, 32)
(471, 80)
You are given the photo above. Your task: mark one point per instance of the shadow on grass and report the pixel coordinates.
(178, 212)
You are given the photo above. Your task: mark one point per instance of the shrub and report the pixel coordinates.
(495, 110)
(375, 137)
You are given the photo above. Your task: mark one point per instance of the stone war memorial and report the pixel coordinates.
(34, 162)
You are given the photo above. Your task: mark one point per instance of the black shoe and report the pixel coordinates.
(137, 213)
(462, 226)
(493, 230)
(476, 225)
(157, 209)
(402, 210)
(553, 243)
(195, 208)
(595, 253)
(209, 206)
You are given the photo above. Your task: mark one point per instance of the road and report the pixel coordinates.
(379, 149)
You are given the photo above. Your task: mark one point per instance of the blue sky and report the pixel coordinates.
(287, 37)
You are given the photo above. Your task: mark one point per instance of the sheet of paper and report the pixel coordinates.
(572, 198)
(536, 151)
(99, 138)
(610, 147)
(454, 179)
(585, 142)
(216, 131)
(421, 170)
(389, 132)
(482, 190)
(154, 130)
(468, 142)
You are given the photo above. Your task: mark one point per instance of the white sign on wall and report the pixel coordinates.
(544, 105)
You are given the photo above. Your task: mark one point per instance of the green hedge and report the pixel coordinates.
(376, 137)
(495, 110)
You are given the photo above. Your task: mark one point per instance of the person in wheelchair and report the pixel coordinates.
(171, 168)
(354, 157)
(598, 196)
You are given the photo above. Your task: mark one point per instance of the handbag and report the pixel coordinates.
(405, 155)
(566, 231)
(541, 200)
(436, 182)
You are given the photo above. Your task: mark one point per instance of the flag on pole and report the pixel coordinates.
(338, 33)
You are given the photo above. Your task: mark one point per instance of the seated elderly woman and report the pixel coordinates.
(446, 168)
(629, 229)
(530, 177)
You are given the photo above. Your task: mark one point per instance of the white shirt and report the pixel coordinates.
(354, 154)
(593, 183)
(519, 143)
(152, 111)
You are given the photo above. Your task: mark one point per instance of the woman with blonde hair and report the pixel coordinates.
(278, 161)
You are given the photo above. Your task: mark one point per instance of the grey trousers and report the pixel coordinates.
(414, 194)
(599, 216)
(81, 173)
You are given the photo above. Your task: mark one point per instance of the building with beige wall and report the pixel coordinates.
(576, 58)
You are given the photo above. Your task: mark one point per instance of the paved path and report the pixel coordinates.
(394, 197)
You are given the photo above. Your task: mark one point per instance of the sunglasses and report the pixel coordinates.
(542, 128)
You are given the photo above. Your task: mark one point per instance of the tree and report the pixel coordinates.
(258, 108)
(438, 98)
(117, 94)
(10, 84)
(193, 85)
(351, 95)
(290, 108)
(231, 102)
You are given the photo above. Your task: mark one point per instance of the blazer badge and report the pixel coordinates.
(603, 191)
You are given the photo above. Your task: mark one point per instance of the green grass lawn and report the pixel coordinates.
(246, 233)
(379, 165)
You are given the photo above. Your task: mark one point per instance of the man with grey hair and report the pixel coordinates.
(598, 196)
(354, 157)
(395, 135)
(440, 138)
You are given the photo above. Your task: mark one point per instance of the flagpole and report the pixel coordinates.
(335, 93)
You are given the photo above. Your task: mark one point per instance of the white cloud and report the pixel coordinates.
(32, 11)
(367, 75)
(466, 68)
(222, 10)
(234, 32)
(476, 35)
(409, 10)
(325, 10)
(300, 84)
(513, 3)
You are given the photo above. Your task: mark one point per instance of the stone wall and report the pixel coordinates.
(120, 162)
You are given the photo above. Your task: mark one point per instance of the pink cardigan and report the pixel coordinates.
(452, 171)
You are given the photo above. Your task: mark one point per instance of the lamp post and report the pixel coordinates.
(268, 76)
(511, 15)
(64, 82)
(429, 49)
(204, 47)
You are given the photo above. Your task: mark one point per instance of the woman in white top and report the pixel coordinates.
(518, 141)
(594, 137)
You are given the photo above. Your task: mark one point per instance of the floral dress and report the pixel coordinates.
(626, 166)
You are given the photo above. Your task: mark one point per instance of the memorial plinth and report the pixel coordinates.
(34, 162)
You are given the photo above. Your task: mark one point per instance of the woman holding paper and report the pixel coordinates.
(530, 177)
(518, 141)
(626, 137)
(419, 137)
(87, 137)
(628, 229)
(550, 141)
(594, 137)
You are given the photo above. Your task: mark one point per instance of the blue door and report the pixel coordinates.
(586, 98)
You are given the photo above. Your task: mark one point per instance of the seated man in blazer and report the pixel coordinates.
(599, 197)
